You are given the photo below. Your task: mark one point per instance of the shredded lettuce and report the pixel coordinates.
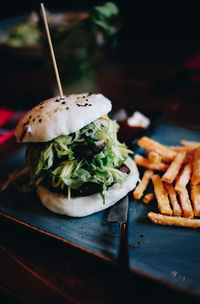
(63, 164)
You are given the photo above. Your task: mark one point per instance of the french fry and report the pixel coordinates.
(148, 197)
(181, 166)
(174, 168)
(161, 195)
(173, 200)
(184, 177)
(154, 157)
(195, 197)
(190, 144)
(139, 190)
(178, 149)
(185, 202)
(195, 180)
(152, 145)
(144, 162)
(173, 220)
(188, 158)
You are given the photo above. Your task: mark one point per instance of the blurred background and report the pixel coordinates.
(134, 53)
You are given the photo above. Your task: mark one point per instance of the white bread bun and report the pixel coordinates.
(56, 116)
(83, 206)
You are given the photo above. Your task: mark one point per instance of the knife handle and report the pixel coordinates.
(123, 265)
(123, 261)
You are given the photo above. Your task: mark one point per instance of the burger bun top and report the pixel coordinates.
(61, 116)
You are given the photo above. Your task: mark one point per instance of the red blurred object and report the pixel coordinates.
(8, 122)
(5, 115)
(193, 64)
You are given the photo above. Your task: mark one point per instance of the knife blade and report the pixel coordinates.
(119, 213)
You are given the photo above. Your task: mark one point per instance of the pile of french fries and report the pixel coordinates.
(175, 174)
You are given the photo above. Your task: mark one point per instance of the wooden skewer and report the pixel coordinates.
(51, 50)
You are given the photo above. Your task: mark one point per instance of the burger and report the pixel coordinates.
(74, 159)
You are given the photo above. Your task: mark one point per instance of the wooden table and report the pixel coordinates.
(38, 269)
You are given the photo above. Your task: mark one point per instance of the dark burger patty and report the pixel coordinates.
(86, 189)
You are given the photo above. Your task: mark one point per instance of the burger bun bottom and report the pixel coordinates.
(83, 206)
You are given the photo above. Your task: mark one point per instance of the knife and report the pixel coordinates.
(119, 213)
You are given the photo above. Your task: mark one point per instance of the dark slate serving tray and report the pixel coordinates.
(167, 254)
